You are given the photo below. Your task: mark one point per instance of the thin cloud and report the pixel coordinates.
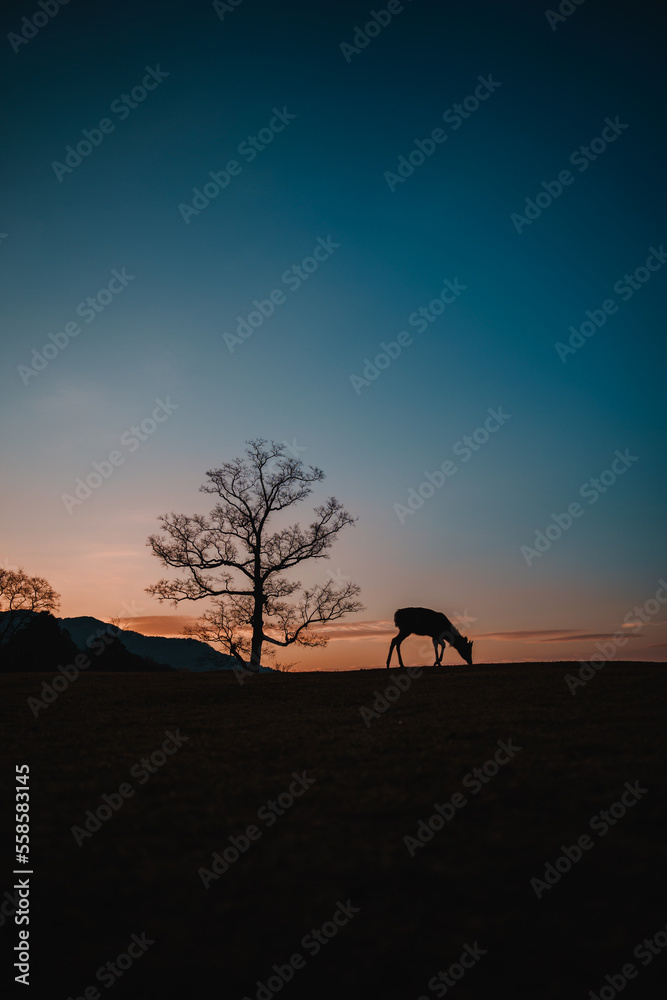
(165, 625)
(642, 624)
(586, 635)
(383, 629)
(546, 635)
(540, 635)
(357, 630)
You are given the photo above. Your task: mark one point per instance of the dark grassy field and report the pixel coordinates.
(343, 838)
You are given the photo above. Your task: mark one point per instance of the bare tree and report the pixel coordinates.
(119, 622)
(21, 595)
(235, 539)
(221, 626)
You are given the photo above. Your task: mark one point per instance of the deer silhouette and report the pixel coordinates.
(423, 621)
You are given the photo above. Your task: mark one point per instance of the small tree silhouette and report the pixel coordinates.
(40, 644)
(250, 611)
(21, 595)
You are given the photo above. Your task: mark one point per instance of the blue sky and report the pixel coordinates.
(322, 178)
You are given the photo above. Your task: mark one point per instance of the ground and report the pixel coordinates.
(409, 909)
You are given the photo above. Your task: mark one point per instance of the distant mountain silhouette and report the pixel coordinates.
(46, 641)
(40, 643)
(188, 654)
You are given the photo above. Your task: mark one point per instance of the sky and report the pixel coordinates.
(419, 243)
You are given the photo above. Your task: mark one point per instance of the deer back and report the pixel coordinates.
(422, 621)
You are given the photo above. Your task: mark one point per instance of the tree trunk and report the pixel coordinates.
(257, 632)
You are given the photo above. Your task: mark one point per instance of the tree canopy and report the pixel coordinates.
(237, 558)
(21, 595)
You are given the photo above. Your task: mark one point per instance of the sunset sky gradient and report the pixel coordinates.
(159, 343)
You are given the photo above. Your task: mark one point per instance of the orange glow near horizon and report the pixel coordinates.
(523, 618)
(364, 644)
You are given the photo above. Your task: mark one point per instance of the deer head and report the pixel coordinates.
(463, 647)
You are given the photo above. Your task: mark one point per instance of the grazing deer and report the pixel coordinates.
(422, 621)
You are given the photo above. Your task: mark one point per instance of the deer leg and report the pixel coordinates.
(399, 639)
(442, 642)
(398, 650)
(396, 641)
